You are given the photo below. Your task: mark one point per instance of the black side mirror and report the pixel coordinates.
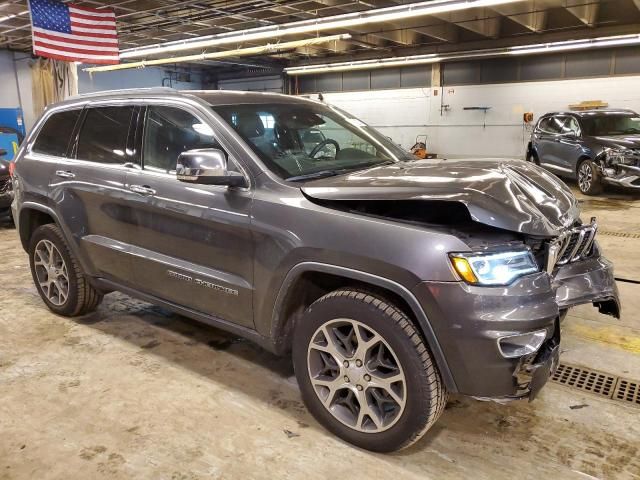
(207, 166)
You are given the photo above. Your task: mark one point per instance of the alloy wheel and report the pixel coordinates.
(51, 271)
(356, 375)
(585, 177)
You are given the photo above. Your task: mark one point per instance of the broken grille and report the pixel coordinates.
(599, 383)
(572, 245)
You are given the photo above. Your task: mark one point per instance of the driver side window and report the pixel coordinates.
(168, 132)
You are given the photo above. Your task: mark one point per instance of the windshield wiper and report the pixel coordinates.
(315, 175)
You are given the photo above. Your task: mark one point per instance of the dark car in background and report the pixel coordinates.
(595, 147)
(6, 190)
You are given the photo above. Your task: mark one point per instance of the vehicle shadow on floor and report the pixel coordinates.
(467, 431)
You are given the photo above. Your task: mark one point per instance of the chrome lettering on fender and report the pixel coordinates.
(201, 283)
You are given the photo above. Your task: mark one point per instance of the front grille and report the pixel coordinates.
(5, 185)
(572, 245)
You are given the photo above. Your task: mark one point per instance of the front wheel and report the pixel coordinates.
(365, 373)
(589, 178)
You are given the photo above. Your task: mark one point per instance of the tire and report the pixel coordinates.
(589, 178)
(376, 326)
(81, 297)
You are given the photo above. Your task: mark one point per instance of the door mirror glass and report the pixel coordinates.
(207, 166)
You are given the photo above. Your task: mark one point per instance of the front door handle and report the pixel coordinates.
(142, 189)
(65, 174)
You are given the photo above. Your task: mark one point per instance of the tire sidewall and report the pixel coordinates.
(596, 185)
(418, 389)
(48, 232)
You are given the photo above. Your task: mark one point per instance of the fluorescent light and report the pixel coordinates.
(347, 20)
(9, 17)
(269, 48)
(433, 58)
(576, 44)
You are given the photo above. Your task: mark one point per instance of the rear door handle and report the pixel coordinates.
(142, 189)
(65, 174)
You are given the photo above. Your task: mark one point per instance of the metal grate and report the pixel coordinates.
(619, 234)
(599, 383)
(627, 391)
(585, 379)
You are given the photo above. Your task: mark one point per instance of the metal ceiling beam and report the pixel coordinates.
(482, 21)
(586, 12)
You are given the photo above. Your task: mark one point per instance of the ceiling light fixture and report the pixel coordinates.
(398, 12)
(433, 58)
(14, 15)
(262, 49)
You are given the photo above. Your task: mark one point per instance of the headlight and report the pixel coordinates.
(499, 268)
(617, 155)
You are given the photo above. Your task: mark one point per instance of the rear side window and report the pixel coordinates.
(55, 134)
(103, 137)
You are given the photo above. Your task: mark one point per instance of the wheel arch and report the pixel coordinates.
(32, 216)
(308, 281)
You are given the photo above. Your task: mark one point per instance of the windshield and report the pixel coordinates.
(300, 141)
(611, 124)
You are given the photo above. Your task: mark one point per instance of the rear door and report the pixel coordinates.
(89, 190)
(193, 243)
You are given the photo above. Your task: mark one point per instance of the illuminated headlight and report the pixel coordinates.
(499, 268)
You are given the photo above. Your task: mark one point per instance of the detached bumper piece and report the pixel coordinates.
(533, 372)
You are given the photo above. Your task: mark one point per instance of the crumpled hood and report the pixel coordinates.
(618, 141)
(508, 194)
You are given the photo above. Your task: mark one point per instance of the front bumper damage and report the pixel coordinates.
(471, 322)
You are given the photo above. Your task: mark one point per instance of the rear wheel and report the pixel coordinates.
(365, 373)
(57, 275)
(589, 178)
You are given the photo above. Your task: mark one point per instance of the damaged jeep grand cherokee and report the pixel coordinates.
(391, 281)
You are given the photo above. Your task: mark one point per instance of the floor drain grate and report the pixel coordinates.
(600, 383)
(627, 391)
(585, 379)
(619, 234)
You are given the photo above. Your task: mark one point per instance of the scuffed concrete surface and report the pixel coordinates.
(132, 391)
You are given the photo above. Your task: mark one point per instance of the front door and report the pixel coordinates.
(568, 147)
(89, 191)
(193, 244)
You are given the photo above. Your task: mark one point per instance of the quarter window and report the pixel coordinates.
(103, 137)
(170, 131)
(54, 135)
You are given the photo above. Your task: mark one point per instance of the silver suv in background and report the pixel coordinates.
(391, 281)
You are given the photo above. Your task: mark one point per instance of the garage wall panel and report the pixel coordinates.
(541, 67)
(627, 61)
(590, 63)
(356, 80)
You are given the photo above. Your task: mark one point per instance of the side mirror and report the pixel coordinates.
(207, 166)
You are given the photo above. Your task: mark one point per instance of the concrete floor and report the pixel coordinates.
(134, 392)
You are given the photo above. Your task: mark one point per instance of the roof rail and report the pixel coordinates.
(123, 91)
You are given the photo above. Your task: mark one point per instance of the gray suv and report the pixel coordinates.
(595, 147)
(391, 281)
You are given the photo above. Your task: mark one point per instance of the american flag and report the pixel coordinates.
(72, 32)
